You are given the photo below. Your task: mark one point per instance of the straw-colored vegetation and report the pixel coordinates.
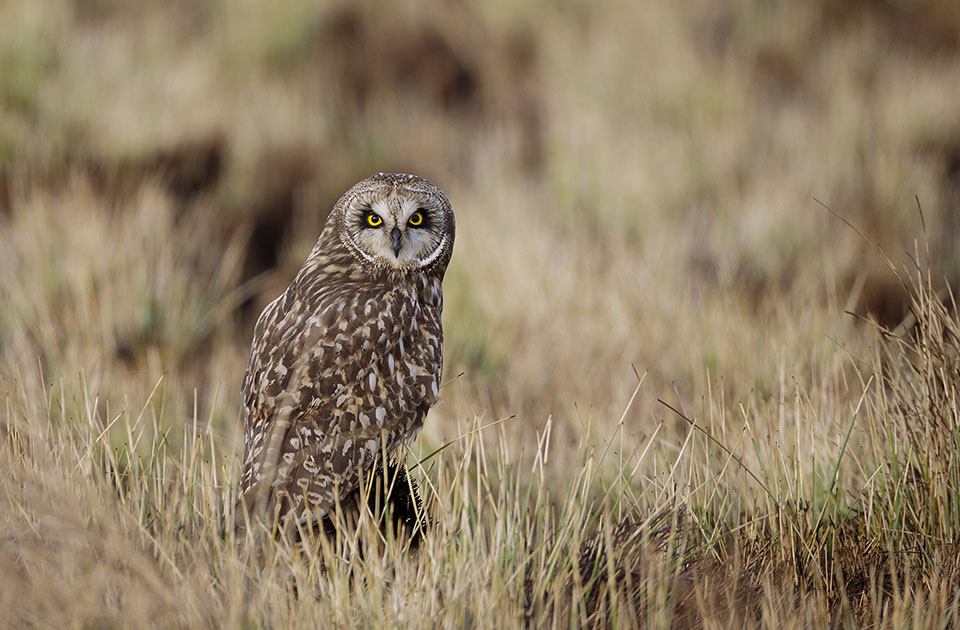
(634, 187)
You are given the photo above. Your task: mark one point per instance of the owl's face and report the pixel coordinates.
(399, 222)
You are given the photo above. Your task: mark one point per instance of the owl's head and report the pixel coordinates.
(396, 221)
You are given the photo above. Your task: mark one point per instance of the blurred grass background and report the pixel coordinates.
(634, 187)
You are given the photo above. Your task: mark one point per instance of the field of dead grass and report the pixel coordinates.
(682, 392)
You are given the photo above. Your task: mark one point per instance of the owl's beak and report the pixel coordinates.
(395, 235)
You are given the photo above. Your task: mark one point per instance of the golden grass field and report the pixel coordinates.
(636, 189)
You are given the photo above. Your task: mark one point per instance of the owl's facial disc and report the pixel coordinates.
(400, 231)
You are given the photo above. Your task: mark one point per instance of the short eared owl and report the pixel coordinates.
(345, 364)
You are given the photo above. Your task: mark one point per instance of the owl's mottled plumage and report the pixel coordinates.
(347, 362)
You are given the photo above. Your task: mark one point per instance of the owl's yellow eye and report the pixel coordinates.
(416, 218)
(374, 219)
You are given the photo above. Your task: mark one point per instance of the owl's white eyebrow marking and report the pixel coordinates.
(408, 207)
(381, 208)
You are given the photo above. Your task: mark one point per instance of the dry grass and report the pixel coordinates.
(634, 194)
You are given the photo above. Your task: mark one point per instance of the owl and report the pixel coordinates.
(346, 363)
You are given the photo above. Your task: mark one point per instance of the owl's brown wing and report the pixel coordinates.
(353, 378)
(268, 404)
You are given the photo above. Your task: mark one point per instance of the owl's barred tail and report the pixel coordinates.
(393, 497)
(390, 493)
